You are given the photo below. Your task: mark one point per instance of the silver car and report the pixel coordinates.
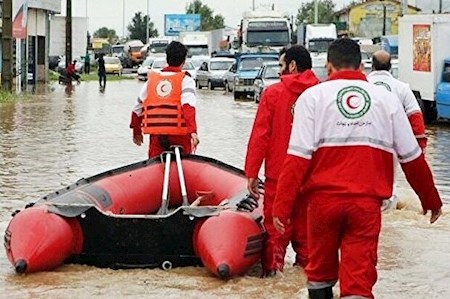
(211, 72)
(228, 78)
(267, 75)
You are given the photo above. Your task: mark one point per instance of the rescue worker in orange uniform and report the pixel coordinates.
(269, 142)
(165, 107)
(344, 136)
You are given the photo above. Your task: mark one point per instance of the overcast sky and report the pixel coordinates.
(109, 13)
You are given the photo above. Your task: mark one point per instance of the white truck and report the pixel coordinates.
(424, 61)
(197, 42)
(316, 37)
(264, 31)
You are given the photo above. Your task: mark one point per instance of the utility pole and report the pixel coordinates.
(316, 11)
(404, 7)
(440, 6)
(253, 6)
(148, 21)
(68, 32)
(384, 20)
(7, 46)
(123, 18)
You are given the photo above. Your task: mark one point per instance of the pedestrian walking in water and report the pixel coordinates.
(101, 72)
(269, 142)
(381, 76)
(340, 156)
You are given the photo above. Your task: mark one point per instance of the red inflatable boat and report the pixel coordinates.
(157, 213)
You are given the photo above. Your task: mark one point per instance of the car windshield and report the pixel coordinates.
(188, 66)
(116, 49)
(158, 64)
(111, 60)
(148, 62)
(254, 63)
(271, 72)
(220, 65)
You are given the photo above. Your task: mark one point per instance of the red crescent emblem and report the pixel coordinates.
(348, 101)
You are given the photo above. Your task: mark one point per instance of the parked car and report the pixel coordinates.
(113, 65)
(228, 77)
(158, 63)
(211, 72)
(190, 68)
(143, 69)
(248, 65)
(53, 62)
(79, 65)
(268, 74)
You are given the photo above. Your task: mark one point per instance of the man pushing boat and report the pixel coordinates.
(165, 107)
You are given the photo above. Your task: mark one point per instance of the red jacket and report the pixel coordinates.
(272, 127)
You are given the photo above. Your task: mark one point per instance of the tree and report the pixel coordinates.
(209, 21)
(138, 29)
(305, 13)
(105, 32)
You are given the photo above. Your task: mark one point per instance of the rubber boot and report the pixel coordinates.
(325, 293)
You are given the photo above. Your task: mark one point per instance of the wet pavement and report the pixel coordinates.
(55, 138)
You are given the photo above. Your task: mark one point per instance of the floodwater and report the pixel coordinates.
(54, 139)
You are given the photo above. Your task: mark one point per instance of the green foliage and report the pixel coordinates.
(209, 20)
(105, 32)
(138, 29)
(326, 8)
(6, 96)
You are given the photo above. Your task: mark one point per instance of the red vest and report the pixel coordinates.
(163, 114)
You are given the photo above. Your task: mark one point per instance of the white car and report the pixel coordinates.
(211, 72)
(143, 69)
(79, 65)
(160, 62)
(267, 75)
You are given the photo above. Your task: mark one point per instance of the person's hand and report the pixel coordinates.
(194, 142)
(138, 139)
(248, 204)
(252, 186)
(278, 224)
(435, 214)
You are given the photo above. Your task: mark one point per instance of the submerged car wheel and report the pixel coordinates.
(210, 85)
(197, 84)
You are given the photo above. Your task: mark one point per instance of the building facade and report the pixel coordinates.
(373, 18)
(34, 49)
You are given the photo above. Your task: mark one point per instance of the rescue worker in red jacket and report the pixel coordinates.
(381, 76)
(268, 142)
(340, 156)
(165, 107)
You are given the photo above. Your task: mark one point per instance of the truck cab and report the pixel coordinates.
(443, 92)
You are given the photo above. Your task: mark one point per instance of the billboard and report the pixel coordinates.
(176, 23)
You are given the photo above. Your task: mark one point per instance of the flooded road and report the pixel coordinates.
(54, 139)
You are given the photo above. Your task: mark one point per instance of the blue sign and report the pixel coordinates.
(174, 24)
